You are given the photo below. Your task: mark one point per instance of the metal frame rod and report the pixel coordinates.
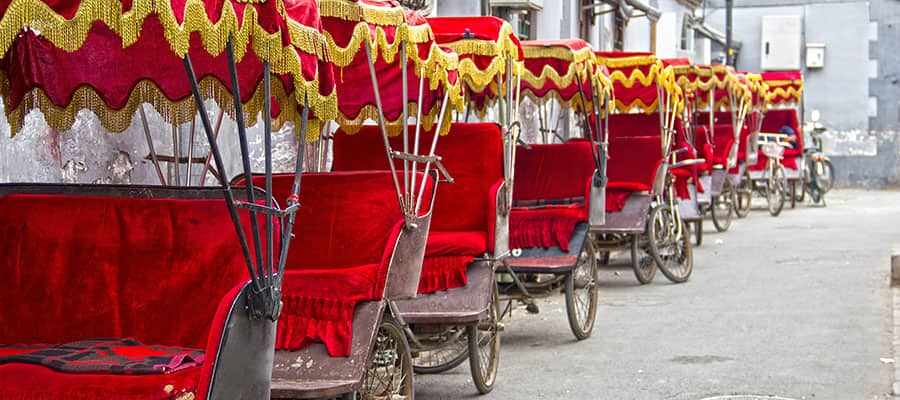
(418, 135)
(153, 157)
(176, 153)
(381, 122)
(404, 84)
(587, 121)
(245, 151)
(209, 156)
(267, 138)
(294, 198)
(220, 165)
(191, 151)
(431, 152)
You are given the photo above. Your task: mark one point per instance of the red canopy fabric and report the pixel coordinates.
(636, 78)
(386, 27)
(484, 45)
(109, 57)
(784, 88)
(550, 70)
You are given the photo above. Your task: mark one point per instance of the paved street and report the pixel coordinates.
(796, 306)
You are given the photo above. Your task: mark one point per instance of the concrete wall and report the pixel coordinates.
(857, 110)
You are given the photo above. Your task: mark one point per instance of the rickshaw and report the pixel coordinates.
(727, 99)
(559, 185)
(748, 150)
(642, 214)
(781, 179)
(93, 312)
(687, 180)
(392, 70)
(455, 315)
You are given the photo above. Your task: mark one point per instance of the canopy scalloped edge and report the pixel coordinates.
(360, 11)
(574, 103)
(173, 111)
(70, 35)
(781, 95)
(394, 127)
(559, 53)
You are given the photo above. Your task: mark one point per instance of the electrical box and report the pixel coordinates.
(815, 55)
(536, 5)
(782, 40)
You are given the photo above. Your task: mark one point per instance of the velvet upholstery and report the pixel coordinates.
(547, 172)
(82, 267)
(772, 122)
(344, 234)
(463, 219)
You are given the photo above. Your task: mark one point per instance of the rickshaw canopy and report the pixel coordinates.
(389, 32)
(485, 46)
(550, 71)
(639, 79)
(57, 57)
(784, 88)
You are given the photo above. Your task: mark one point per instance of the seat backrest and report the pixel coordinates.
(775, 119)
(634, 159)
(553, 171)
(472, 153)
(721, 118)
(723, 137)
(631, 125)
(79, 266)
(345, 218)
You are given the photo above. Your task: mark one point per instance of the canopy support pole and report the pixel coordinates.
(153, 156)
(220, 165)
(245, 153)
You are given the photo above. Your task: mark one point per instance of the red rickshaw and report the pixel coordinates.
(127, 307)
(559, 185)
(642, 211)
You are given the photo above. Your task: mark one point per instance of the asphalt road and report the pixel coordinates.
(796, 306)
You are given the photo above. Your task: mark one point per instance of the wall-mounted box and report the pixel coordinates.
(782, 40)
(815, 55)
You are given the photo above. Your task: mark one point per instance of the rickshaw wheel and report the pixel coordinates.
(775, 191)
(643, 264)
(825, 176)
(743, 194)
(801, 186)
(721, 208)
(698, 233)
(484, 347)
(389, 375)
(581, 293)
(669, 244)
(445, 358)
(792, 186)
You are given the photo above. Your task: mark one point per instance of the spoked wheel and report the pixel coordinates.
(743, 195)
(445, 358)
(389, 375)
(484, 347)
(669, 244)
(581, 293)
(698, 233)
(643, 264)
(824, 173)
(775, 190)
(801, 188)
(722, 207)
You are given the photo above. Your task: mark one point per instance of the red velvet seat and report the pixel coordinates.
(345, 232)
(560, 173)
(772, 122)
(162, 271)
(632, 163)
(463, 219)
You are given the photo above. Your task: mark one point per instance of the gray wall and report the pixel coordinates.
(862, 145)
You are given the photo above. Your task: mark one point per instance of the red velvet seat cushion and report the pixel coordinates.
(463, 218)
(617, 193)
(345, 232)
(634, 160)
(544, 227)
(28, 381)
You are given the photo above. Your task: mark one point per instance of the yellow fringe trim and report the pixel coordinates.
(625, 62)
(635, 77)
(70, 34)
(395, 127)
(504, 45)
(343, 55)
(173, 112)
(560, 53)
(574, 103)
(636, 104)
(355, 12)
(789, 93)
